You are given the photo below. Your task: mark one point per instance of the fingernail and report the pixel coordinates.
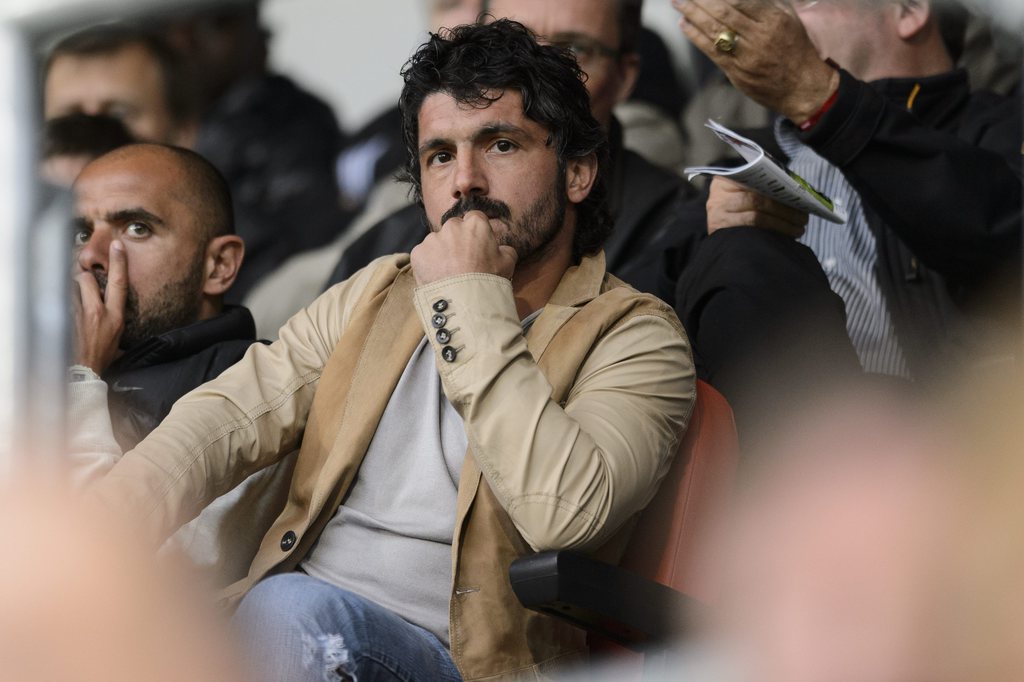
(117, 246)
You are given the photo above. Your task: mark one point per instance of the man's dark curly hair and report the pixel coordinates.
(474, 64)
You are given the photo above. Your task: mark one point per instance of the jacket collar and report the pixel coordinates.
(580, 283)
(234, 323)
(932, 99)
(942, 83)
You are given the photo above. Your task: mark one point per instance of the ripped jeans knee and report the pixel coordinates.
(328, 653)
(296, 628)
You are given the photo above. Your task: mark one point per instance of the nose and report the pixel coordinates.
(469, 177)
(93, 255)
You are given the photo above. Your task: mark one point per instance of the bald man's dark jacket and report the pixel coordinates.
(146, 381)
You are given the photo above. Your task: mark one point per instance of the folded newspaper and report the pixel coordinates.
(764, 174)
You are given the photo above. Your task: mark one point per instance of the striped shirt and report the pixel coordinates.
(847, 254)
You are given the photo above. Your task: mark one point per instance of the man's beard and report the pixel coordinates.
(176, 305)
(532, 234)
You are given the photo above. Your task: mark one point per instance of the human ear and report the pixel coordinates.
(224, 256)
(580, 176)
(629, 71)
(912, 17)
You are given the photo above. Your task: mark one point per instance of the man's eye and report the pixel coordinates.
(439, 158)
(138, 229)
(504, 146)
(583, 52)
(80, 237)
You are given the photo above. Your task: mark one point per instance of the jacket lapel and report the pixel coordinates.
(341, 442)
(579, 285)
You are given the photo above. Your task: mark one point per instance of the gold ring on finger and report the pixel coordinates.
(726, 41)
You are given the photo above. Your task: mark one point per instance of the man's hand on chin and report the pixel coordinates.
(99, 316)
(462, 245)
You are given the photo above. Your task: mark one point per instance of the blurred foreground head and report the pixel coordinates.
(879, 539)
(80, 602)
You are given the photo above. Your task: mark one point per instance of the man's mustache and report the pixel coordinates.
(101, 279)
(492, 208)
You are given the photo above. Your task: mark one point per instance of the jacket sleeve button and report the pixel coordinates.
(443, 336)
(449, 354)
(438, 320)
(288, 541)
(440, 305)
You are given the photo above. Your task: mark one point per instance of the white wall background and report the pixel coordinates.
(347, 51)
(350, 51)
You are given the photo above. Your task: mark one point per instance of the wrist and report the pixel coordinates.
(809, 109)
(822, 110)
(77, 373)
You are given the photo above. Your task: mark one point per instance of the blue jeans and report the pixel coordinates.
(297, 628)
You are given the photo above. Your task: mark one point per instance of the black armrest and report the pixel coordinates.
(604, 599)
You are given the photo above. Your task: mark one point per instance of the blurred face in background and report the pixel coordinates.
(853, 33)
(127, 84)
(450, 13)
(590, 28)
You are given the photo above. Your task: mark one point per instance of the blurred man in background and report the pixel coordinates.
(273, 141)
(928, 171)
(123, 72)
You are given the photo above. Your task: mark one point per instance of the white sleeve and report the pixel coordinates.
(92, 448)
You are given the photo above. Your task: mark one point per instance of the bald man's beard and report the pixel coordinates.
(533, 232)
(177, 305)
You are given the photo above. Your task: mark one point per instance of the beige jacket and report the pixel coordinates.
(569, 430)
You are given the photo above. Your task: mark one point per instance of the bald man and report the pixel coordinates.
(154, 253)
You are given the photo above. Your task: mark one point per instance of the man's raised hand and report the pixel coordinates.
(773, 62)
(99, 315)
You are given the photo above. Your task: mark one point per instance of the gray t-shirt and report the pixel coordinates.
(390, 540)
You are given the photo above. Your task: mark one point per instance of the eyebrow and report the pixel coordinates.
(126, 215)
(485, 131)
